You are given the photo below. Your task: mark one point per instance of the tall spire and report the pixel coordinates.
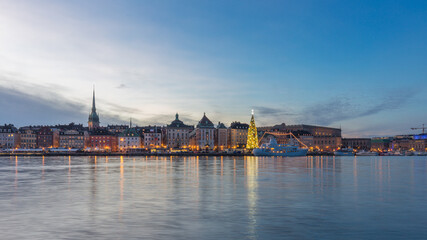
(93, 122)
(130, 123)
(93, 100)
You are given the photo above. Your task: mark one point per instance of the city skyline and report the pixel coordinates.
(291, 62)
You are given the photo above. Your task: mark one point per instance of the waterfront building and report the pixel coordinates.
(152, 136)
(45, 137)
(102, 139)
(203, 136)
(357, 143)
(238, 135)
(9, 136)
(93, 121)
(28, 138)
(324, 138)
(129, 138)
(381, 143)
(72, 139)
(177, 134)
(221, 137)
(419, 145)
(305, 137)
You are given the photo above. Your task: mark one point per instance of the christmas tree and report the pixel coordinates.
(252, 135)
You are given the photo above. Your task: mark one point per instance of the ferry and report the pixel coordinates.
(366, 153)
(344, 152)
(282, 150)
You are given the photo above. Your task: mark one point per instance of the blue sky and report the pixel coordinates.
(355, 64)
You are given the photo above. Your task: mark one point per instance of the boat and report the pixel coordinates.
(344, 152)
(291, 149)
(366, 153)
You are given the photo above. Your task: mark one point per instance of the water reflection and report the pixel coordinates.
(213, 197)
(251, 164)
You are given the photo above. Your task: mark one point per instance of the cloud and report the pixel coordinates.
(272, 111)
(30, 103)
(343, 108)
(121, 86)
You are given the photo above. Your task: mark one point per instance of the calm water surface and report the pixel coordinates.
(213, 198)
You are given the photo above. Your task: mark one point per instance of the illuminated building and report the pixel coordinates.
(28, 138)
(381, 143)
(357, 143)
(9, 136)
(324, 138)
(152, 136)
(252, 138)
(93, 121)
(129, 138)
(103, 140)
(238, 135)
(72, 139)
(203, 136)
(221, 137)
(177, 134)
(45, 137)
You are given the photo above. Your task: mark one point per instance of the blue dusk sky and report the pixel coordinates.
(360, 65)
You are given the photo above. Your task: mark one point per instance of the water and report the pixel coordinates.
(213, 198)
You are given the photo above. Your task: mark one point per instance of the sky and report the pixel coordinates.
(358, 65)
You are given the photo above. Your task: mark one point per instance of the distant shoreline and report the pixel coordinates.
(141, 154)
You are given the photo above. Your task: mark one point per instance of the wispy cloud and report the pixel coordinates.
(344, 108)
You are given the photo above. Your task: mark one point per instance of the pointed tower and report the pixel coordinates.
(252, 135)
(93, 121)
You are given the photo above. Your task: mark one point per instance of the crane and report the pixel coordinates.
(423, 128)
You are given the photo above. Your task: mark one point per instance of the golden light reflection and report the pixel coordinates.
(251, 171)
(16, 171)
(42, 167)
(355, 171)
(222, 166)
(121, 187)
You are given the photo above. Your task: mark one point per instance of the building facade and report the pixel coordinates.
(238, 135)
(178, 134)
(9, 137)
(324, 138)
(129, 138)
(72, 139)
(28, 139)
(381, 144)
(203, 136)
(45, 137)
(102, 140)
(357, 143)
(152, 137)
(221, 137)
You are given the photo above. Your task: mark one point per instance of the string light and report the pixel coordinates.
(252, 135)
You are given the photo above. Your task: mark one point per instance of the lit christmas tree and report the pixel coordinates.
(252, 135)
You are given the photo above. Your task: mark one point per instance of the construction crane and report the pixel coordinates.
(423, 128)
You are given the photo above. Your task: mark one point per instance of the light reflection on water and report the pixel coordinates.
(213, 197)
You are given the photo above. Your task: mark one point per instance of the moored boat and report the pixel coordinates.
(284, 150)
(344, 152)
(366, 153)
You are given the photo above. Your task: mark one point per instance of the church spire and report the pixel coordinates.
(93, 121)
(93, 100)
